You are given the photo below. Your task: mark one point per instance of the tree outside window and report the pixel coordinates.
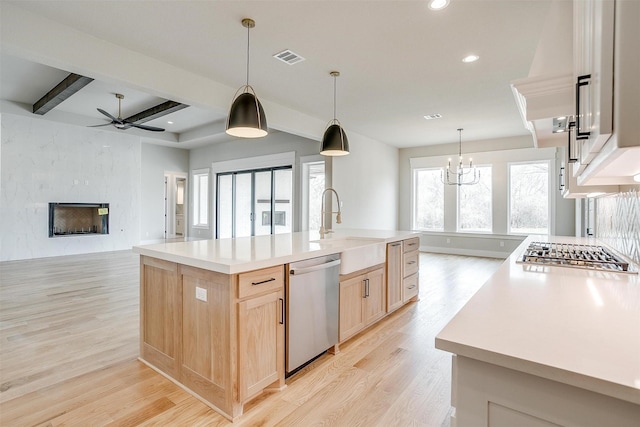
(428, 199)
(474, 204)
(529, 198)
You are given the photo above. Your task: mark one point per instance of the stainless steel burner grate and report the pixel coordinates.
(573, 255)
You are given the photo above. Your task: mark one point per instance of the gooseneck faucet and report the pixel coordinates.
(323, 229)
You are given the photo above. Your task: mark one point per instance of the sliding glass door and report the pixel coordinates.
(254, 203)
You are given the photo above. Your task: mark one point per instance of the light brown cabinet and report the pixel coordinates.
(362, 300)
(394, 276)
(220, 336)
(410, 267)
(402, 272)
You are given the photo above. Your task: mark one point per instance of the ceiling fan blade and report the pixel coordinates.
(110, 116)
(151, 128)
(97, 126)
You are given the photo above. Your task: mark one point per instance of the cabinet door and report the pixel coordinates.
(410, 287)
(160, 314)
(260, 343)
(394, 276)
(351, 306)
(375, 301)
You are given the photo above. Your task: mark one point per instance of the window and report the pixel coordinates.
(254, 202)
(313, 184)
(428, 196)
(201, 198)
(529, 198)
(474, 204)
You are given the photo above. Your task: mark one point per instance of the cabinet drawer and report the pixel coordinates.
(410, 263)
(409, 287)
(411, 244)
(260, 281)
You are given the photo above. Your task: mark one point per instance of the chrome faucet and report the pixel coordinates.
(323, 230)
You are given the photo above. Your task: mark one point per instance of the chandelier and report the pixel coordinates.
(461, 175)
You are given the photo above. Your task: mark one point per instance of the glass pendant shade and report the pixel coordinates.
(334, 141)
(246, 117)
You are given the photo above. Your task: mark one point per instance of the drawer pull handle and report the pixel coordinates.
(263, 281)
(411, 244)
(411, 287)
(411, 262)
(395, 244)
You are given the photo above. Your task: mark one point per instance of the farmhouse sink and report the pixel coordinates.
(357, 253)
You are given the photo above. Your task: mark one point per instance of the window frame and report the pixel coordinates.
(197, 175)
(550, 194)
(414, 204)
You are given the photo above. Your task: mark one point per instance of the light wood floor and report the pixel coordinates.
(69, 343)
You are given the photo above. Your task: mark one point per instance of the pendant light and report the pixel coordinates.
(461, 176)
(246, 117)
(334, 141)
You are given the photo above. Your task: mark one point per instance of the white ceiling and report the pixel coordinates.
(398, 61)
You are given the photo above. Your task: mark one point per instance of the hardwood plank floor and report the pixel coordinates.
(69, 330)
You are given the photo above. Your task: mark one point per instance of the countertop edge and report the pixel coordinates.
(597, 385)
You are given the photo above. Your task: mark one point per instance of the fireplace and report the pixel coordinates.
(73, 219)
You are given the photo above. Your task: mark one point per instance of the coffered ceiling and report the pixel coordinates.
(398, 60)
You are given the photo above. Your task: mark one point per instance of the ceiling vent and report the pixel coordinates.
(288, 57)
(433, 116)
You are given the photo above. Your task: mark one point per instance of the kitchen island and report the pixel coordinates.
(212, 312)
(545, 346)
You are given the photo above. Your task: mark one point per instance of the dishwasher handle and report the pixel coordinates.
(304, 270)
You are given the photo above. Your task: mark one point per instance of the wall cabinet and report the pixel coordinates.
(362, 300)
(220, 336)
(607, 93)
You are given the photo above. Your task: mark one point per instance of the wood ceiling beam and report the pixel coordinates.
(63, 90)
(159, 110)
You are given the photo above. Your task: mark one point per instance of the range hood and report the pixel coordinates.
(548, 90)
(540, 99)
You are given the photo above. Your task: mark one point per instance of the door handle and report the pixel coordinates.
(366, 287)
(561, 179)
(581, 81)
(281, 311)
(263, 281)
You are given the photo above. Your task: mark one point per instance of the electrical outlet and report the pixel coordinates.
(502, 244)
(448, 240)
(201, 294)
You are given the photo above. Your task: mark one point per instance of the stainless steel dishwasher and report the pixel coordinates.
(312, 309)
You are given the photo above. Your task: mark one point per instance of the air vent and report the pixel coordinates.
(288, 57)
(433, 116)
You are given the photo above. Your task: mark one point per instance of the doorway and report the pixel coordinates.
(175, 206)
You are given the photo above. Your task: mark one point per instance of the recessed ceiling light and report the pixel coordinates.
(433, 116)
(170, 122)
(470, 58)
(438, 4)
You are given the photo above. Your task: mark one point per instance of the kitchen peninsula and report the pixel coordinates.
(542, 345)
(212, 312)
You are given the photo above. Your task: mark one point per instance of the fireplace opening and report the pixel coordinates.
(72, 219)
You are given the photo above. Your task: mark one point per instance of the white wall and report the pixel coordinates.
(156, 160)
(44, 162)
(367, 181)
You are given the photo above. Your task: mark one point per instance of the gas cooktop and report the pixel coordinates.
(572, 255)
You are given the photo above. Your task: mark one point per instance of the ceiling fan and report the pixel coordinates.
(121, 123)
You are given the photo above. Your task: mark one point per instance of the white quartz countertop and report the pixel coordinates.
(231, 256)
(579, 327)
